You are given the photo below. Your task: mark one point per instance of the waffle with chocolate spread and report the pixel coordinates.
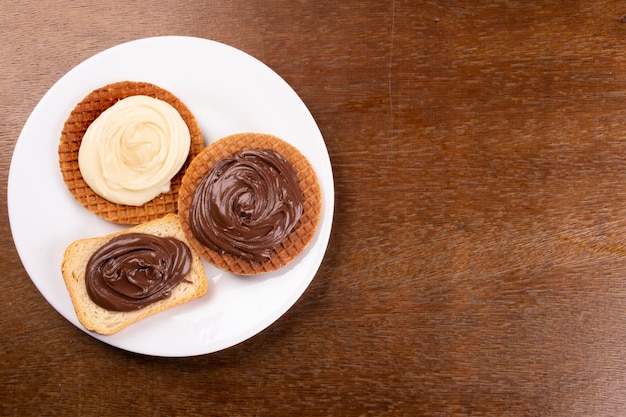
(233, 243)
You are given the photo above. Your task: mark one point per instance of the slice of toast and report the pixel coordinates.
(106, 322)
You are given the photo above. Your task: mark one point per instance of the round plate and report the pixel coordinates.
(229, 92)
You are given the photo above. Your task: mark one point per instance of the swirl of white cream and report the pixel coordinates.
(130, 153)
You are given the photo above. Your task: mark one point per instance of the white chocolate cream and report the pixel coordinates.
(130, 153)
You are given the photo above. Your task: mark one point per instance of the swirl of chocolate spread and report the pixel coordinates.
(247, 204)
(134, 270)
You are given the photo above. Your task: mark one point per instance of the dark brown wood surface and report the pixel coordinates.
(477, 264)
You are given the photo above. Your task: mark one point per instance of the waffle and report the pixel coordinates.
(83, 114)
(295, 242)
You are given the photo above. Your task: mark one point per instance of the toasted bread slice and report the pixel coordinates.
(106, 322)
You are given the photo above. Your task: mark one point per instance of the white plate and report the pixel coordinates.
(228, 91)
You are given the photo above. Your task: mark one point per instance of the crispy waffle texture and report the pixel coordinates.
(83, 114)
(295, 242)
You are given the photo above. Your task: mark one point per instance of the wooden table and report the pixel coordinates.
(477, 263)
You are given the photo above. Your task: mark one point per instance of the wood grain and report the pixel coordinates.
(477, 262)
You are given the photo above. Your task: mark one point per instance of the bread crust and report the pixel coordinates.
(107, 322)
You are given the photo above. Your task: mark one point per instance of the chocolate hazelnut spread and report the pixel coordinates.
(247, 204)
(134, 270)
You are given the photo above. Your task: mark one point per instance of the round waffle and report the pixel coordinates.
(83, 114)
(304, 230)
